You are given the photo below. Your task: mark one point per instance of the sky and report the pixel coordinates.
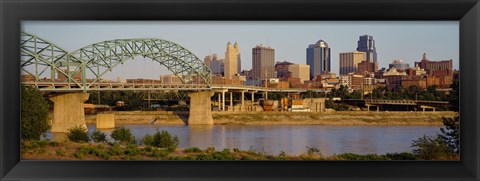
(405, 40)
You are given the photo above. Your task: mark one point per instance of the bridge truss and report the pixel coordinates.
(40, 58)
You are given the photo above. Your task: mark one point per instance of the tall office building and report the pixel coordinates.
(263, 62)
(231, 60)
(217, 65)
(318, 58)
(207, 60)
(301, 71)
(349, 61)
(367, 44)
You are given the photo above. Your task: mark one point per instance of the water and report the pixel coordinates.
(293, 140)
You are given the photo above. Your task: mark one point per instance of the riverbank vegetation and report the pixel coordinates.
(50, 150)
(163, 146)
(34, 114)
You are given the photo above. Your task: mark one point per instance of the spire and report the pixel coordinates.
(235, 45)
(424, 56)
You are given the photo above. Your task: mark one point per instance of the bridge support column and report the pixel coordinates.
(243, 104)
(223, 100)
(105, 121)
(253, 103)
(231, 102)
(68, 111)
(200, 111)
(219, 102)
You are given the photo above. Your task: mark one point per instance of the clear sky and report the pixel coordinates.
(405, 40)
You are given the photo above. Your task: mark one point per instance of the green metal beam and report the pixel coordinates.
(100, 58)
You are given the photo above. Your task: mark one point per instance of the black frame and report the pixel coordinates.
(465, 11)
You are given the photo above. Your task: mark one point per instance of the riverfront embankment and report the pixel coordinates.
(339, 118)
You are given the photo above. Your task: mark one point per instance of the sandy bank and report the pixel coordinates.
(346, 118)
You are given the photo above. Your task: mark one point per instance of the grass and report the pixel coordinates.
(339, 118)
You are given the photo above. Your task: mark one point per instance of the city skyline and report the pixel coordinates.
(411, 39)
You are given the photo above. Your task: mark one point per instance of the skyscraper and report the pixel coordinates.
(207, 60)
(349, 61)
(231, 60)
(367, 44)
(318, 57)
(263, 62)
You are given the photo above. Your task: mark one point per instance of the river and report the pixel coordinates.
(292, 139)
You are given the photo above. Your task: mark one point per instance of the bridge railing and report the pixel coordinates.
(72, 87)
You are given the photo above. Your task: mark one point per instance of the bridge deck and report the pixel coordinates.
(117, 86)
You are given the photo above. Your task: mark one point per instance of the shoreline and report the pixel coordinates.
(338, 118)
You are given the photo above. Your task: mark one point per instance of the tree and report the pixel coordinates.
(451, 133)
(78, 134)
(429, 148)
(124, 135)
(454, 95)
(34, 114)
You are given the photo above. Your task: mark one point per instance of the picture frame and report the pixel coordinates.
(467, 12)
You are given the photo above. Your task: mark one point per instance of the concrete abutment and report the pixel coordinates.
(200, 108)
(68, 111)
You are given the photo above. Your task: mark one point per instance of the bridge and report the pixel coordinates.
(82, 71)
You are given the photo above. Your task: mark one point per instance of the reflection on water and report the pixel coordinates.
(273, 139)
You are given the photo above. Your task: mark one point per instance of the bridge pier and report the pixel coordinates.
(68, 111)
(200, 107)
(223, 100)
(219, 102)
(243, 104)
(231, 102)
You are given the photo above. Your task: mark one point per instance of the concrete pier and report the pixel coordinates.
(68, 111)
(200, 107)
(105, 121)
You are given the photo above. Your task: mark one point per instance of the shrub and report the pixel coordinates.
(429, 148)
(313, 150)
(401, 156)
(210, 149)
(60, 152)
(193, 150)
(352, 156)
(159, 153)
(99, 136)
(132, 150)
(116, 149)
(148, 140)
(164, 139)
(204, 156)
(34, 144)
(34, 114)
(78, 134)
(123, 135)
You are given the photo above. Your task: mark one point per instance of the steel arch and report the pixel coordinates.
(35, 51)
(101, 57)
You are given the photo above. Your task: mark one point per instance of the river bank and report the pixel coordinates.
(66, 150)
(339, 118)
